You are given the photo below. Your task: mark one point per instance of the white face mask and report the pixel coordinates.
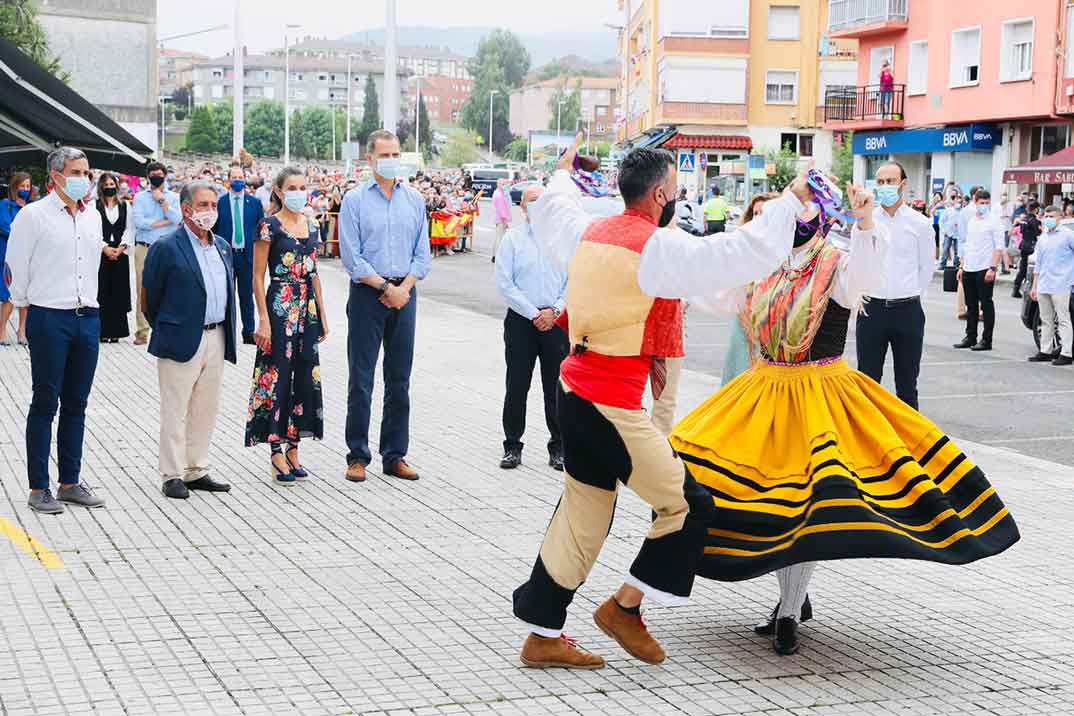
(204, 220)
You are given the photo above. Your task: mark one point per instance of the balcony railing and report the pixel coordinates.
(847, 14)
(864, 104)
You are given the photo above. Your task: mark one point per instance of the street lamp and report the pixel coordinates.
(492, 93)
(164, 99)
(350, 91)
(559, 111)
(160, 47)
(287, 95)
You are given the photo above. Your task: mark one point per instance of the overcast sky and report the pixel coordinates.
(264, 20)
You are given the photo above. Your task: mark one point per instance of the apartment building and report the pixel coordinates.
(444, 96)
(977, 89)
(175, 69)
(531, 110)
(314, 81)
(723, 83)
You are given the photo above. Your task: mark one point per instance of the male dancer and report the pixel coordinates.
(621, 333)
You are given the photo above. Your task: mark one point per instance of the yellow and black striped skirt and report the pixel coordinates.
(819, 462)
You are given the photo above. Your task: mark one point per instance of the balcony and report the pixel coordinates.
(870, 107)
(855, 19)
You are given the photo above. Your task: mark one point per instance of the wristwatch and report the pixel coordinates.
(992, 269)
(383, 287)
(556, 311)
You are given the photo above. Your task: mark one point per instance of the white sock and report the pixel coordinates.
(793, 588)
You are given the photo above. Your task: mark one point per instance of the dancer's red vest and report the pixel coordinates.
(608, 312)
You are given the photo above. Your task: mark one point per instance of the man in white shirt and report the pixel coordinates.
(982, 252)
(894, 315)
(53, 256)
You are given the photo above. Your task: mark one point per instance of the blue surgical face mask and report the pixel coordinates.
(888, 195)
(295, 200)
(76, 188)
(983, 209)
(24, 194)
(390, 168)
(1050, 222)
(237, 185)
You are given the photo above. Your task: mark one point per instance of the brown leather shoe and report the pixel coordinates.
(629, 630)
(401, 470)
(561, 653)
(356, 472)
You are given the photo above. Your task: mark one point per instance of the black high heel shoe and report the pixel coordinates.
(768, 628)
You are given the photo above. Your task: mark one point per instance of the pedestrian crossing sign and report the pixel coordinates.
(686, 162)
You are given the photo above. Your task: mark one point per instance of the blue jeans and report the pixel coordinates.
(243, 263)
(63, 360)
(950, 244)
(371, 325)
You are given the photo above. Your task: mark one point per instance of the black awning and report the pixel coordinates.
(38, 112)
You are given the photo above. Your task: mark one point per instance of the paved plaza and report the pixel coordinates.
(392, 597)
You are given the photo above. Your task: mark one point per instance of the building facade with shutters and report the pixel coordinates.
(531, 110)
(973, 94)
(722, 82)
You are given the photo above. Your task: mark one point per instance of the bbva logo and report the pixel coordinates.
(873, 143)
(954, 139)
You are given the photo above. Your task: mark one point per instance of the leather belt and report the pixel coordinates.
(396, 281)
(895, 301)
(81, 311)
(212, 326)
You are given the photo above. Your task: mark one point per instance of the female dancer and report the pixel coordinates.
(808, 460)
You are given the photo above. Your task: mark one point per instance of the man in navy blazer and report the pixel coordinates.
(188, 297)
(241, 235)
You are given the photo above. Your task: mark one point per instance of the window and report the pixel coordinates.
(965, 57)
(705, 18)
(268, 76)
(783, 22)
(917, 81)
(695, 79)
(781, 87)
(322, 78)
(1069, 39)
(218, 74)
(1016, 58)
(218, 91)
(838, 75)
(788, 141)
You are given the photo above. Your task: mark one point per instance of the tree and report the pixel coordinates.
(300, 145)
(425, 129)
(404, 128)
(786, 168)
(518, 150)
(565, 119)
(224, 121)
(461, 148)
(201, 137)
(181, 101)
(19, 25)
(264, 128)
(500, 65)
(317, 130)
(843, 159)
(370, 111)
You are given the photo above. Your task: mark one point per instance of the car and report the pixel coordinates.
(1031, 316)
(517, 189)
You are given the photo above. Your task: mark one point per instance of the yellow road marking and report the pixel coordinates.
(30, 546)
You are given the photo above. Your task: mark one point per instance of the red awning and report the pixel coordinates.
(1055, 168)
(709, 141)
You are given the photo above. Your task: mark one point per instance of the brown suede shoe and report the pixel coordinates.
(140, 340)
(561, 653)
(356, 472)
(401, 470)
(629, 630)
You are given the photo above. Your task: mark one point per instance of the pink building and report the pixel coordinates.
(978, 87)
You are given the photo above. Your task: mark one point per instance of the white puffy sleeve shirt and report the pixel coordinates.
(674, 264)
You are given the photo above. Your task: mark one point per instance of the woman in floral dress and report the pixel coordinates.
(285, 398)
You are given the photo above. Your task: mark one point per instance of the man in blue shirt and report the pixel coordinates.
(535, 293)
(1053, 276)
(156, 216)
(384, 244)
(241, 233)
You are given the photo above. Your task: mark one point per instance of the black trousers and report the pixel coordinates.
(715, 227)
(1023, 268)
(523, 344)
(979, 300)
(902, 326)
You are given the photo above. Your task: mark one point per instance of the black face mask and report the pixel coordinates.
(666, 214)
(109, 191)
(156, 181)
(804, 231)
